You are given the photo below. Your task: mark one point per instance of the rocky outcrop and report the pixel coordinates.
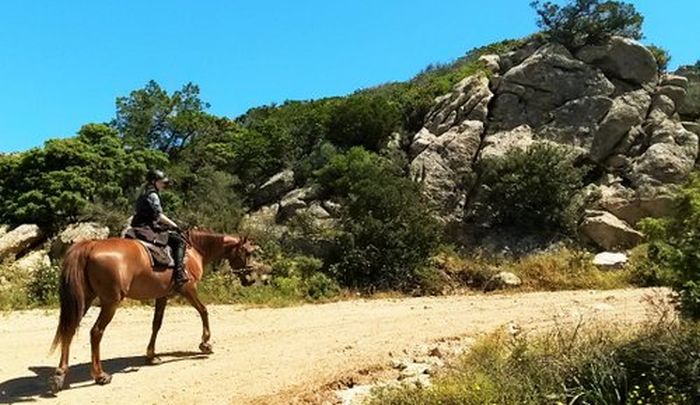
(19, 240)
(445, 164)
(274, 188)
(545, 81)
(607, 104)
(445, 148)
(468, 101)
(76, 233)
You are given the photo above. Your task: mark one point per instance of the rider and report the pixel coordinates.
(151, 224)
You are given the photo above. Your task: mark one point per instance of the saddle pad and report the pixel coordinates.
(161, 257)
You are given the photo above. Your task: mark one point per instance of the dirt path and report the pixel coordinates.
(261, 353)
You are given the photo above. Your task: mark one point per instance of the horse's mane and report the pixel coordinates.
(205, 241)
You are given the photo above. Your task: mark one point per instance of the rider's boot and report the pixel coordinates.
(179, 274)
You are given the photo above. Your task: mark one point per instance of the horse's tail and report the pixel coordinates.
(72, 292)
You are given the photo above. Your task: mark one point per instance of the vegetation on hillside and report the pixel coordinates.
(574, 364)
(385, 233)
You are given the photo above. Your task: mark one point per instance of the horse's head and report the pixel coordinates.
(239, 251)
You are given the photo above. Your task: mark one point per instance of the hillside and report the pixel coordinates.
(571, 135)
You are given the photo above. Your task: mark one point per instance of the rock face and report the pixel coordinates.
(528, 92)
(608, 104)
(18, 240)
(275, 187)
(445, 148)
(76, 233)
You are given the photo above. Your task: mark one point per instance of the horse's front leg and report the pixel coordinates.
(190, 293)
(151, 357)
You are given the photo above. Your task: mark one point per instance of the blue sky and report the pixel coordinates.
(63, 63)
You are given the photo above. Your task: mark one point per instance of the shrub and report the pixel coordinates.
(655, 364)
(662, 56)
(532, 188)
(674, 244)
(582, 22)
(294, 280)
(43, 288)
(363, 120)
(388, 232)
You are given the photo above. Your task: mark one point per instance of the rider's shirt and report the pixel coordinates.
(148, 209)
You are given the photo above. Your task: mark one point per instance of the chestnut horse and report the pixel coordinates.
(114, 269)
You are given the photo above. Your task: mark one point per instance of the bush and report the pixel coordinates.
(583, 22)
(674, 244)
(388, 232)
(655, 364)
(532, 188)
(662, 56)
(363, 120)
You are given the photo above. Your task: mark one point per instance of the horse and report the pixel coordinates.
(116, 268)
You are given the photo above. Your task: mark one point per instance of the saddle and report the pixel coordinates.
(160, 255)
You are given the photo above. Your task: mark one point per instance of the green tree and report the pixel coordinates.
(150, 118)
(364, 120)
(582, 22)
(54, 185)
(388, 232)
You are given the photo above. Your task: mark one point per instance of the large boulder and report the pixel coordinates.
(445, 164)
(550, 77)
(76, 233)
(622, 58)
(608, 231)
(19, 240)
(32, 261)
(275, 187)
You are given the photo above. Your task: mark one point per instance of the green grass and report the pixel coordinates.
(560, 269)
(582, 364)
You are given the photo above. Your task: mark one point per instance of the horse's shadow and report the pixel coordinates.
(28, 388)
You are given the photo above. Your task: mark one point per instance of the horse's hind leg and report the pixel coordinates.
(57, 380)
(157, 322)
(190, 294)
(107, 311)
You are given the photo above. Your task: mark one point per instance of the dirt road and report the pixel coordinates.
(270, 353)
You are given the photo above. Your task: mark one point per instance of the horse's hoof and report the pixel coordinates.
(103, 379)
(206, 348)
(152, 361)
(56, 383)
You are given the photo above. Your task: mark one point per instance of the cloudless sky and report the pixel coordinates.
(63, 63)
